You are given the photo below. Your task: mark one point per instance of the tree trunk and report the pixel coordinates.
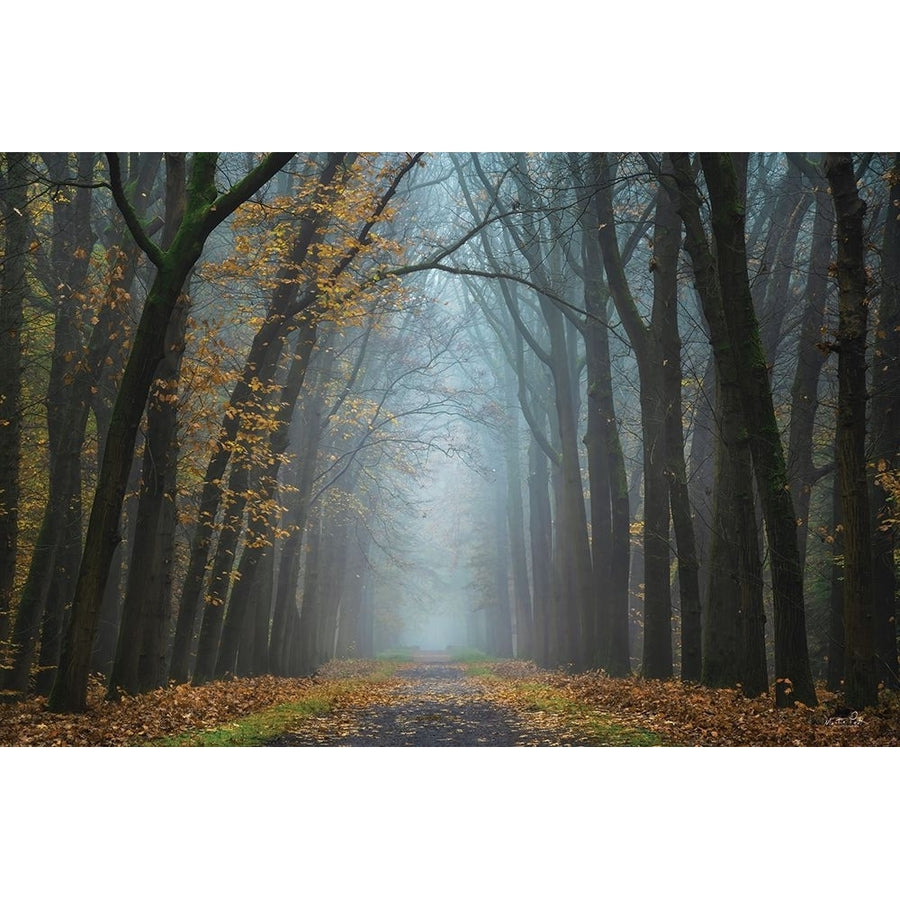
(49, 583)
(793, 677)
(701, 467)
(285, 599)
(734, 638)
(810, 359)
(573, 545)
(610, 517)
(351, 637)
(516, 526)
(262, 611)
(367, 617)
(311, 612)
(500, 605)
(836, 646)
(103, 654)
(140, 656)
(220, 576)
(141, 646)
(258, 536)
(666, 244)
(13, 291)
(539, 534)
(313, 423)
(772, 299)
(60, 531)
(885, 437)
(860, 677)
(645, 342)
(331, 587)
(573, 553)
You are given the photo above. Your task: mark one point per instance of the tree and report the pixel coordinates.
(885, 438)
(13, 291)
(574, 569)
(793, 677)
(860, 679)
(205, 208)
(804, 474)
(733, 643)
(610, 512)
(657, 348)
(287, 301)
(259, 537)
(89, 319)
(141, 647)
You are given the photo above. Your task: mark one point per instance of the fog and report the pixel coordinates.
(467, 401)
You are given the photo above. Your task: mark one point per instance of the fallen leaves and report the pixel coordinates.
(554, 706)
(691, 715)
(161, 713)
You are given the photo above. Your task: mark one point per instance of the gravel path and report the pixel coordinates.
(435, 706)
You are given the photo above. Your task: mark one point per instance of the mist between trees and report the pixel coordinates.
(636, 412)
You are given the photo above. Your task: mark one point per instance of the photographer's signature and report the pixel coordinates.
(853, 719)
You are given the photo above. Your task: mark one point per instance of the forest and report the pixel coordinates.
(233, 379)
(628, 413)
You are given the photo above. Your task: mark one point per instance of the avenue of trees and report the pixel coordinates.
(668, 385)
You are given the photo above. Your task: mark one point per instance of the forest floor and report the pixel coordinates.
(433, 701)
(439, 703)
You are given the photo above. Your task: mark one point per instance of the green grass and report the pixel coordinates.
(259, 727)
(583, 718)
(480, 670)
(256, 729)
(252, 730)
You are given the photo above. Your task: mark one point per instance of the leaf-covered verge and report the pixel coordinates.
(220, 713)
(614, 711)
(690, 715)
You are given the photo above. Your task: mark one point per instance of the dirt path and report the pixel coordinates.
(435, 705)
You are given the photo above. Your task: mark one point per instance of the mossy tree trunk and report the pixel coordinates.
(141, 644)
